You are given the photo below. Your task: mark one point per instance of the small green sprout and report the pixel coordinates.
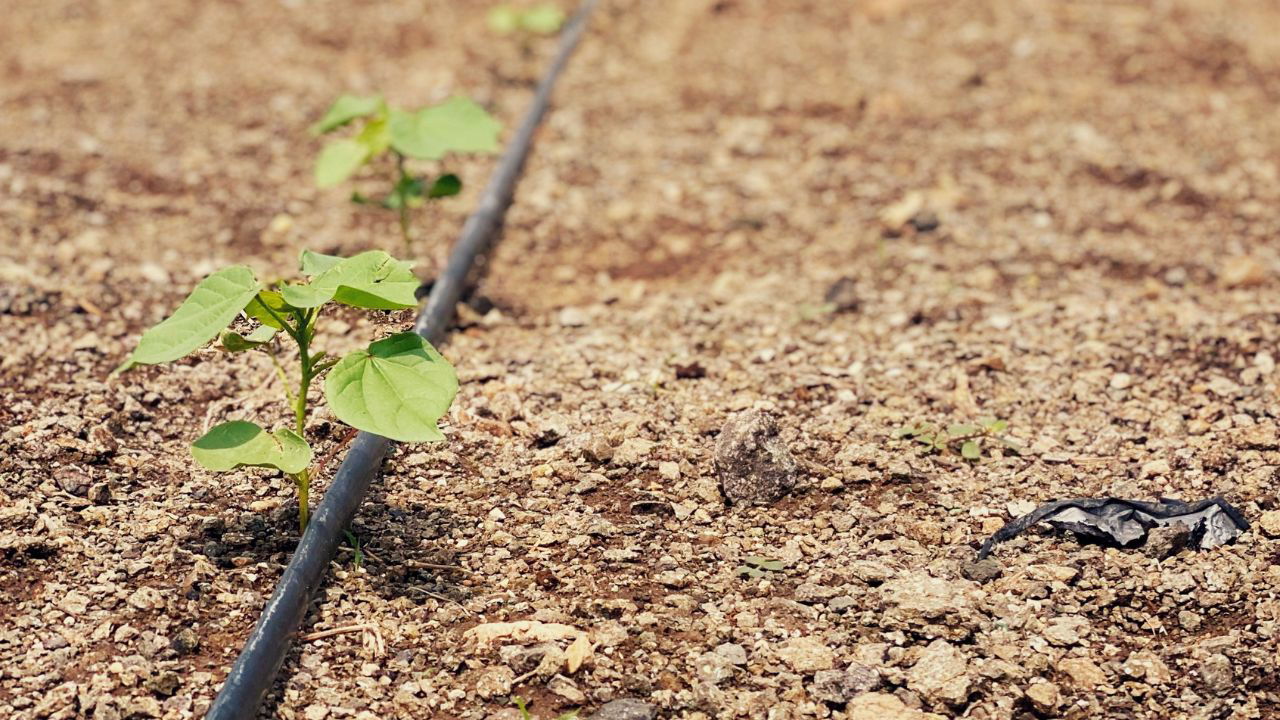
(358, 555)
(756, 566)
(544, 19)
(967, 439)
(457, 125)
(397, 387)
(522, 704)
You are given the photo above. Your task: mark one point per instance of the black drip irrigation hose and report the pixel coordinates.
(255, 669)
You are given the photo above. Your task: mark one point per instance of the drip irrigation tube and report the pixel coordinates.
(255, 669)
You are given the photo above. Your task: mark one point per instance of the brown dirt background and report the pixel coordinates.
(1105, 176)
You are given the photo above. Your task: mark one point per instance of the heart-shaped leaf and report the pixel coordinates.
(258, 308)
(344, 110)
(372, 280)
(456, 125)
(233, 341)
(240, 443)
(314, 263)
(970, 450)
(339, 160)
(376, 137)
(398, 388)
(209, 308)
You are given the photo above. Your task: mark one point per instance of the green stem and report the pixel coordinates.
(303, 482)
(305, 331)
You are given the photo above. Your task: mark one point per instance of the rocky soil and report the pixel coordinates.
(755, 239)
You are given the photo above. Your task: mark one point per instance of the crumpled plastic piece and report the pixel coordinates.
(1122, 523)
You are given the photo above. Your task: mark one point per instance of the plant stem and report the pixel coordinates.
(303, 482)
(302, 335)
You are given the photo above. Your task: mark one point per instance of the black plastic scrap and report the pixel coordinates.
(1123, 523)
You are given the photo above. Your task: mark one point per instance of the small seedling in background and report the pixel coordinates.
(397, 387)
(756, 566)
(520, 703)
(354, 542)
(544, 19)
(457, 125)
(969, 440)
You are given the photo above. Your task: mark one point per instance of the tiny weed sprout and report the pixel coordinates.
(397, 387)
(757, 566)
(967, 439)
(544, 19)
(457, 125)
(523, 707)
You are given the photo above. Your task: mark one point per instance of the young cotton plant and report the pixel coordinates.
(967, 438)
(457, 125)
(397, 387)
(507, 19)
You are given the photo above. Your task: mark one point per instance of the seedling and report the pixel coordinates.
(520, 703)
(967, 439)
(756, 566)
(457, 125)
(354, 542)
(544, 19)
(397, 387)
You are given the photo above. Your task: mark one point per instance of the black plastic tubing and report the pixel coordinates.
(255, 669)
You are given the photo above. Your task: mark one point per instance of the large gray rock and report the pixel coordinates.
(626, 709)
(753, 463)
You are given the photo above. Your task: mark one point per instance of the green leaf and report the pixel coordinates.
(542, 19)
(338, 161)
(398, 388)
(372, 279)
(456, 125)
(210, 307)
(997, 426)
(257, 308)
(503, 19)
(748, 571)
(444, 186)
(376, 137)
(970, 450)
(240, 443)
(233, 341)
(314, 263)
(345, 109)
(962, 430)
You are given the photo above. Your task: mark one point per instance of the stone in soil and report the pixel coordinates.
(626, 709)
(752, 461)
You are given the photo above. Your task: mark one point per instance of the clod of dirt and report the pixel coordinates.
(806, 655)
(842, 295)
(883, 706)
(841, 686)
(165, 684)
(626, 709)
(983, 571)
(941, 674)
(1270, 523)
(754, 465)
(185, 641)
(1165, 542)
